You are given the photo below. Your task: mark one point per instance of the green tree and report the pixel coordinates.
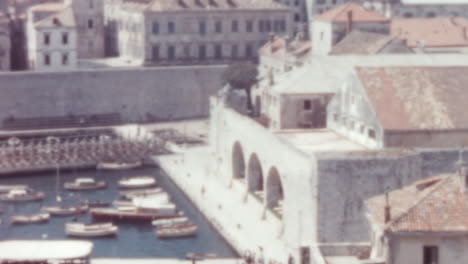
(242, 76)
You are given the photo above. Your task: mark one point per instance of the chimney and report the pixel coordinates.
(387, 215)
(465, 32)
(462, 171)
(349, 24)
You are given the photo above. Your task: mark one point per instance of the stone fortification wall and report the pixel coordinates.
(143, 94)
(345, 181)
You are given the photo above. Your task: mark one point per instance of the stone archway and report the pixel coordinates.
(255, 176)
(238, 162)
(274, 192)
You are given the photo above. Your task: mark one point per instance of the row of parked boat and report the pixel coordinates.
(137, 203)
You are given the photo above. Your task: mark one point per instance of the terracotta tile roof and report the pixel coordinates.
(359, 42)
(275, 48)
(214, 5)
(47, 7)
(417, 98)
(439, 205)
(360, 14)
(64, 18)
(433, 32)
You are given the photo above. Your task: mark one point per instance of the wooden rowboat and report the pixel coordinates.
(30, 219)
(90, 230)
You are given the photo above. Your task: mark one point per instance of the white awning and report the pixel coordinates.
(36, 250)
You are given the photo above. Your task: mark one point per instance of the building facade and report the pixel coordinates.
(5, 43)
(198, 31)
(52, 38)
(89, 17)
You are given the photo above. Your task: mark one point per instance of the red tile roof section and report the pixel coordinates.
(417, 98)
(433, 32)
(440, 207)
(360, 14)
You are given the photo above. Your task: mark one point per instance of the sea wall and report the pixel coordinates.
(137, 94)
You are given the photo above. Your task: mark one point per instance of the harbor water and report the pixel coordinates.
(134, 239)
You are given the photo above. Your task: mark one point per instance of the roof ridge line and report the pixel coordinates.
(418, 202)
(345, 6)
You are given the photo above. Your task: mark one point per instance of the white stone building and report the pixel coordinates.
(89, 17)
(194, 31)
(311, 179)
(332, 26)
(419, 8)
(5, 43)
(52, 38)
(423, 222)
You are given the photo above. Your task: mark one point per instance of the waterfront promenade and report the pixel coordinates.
(239, 220)
(163, 261)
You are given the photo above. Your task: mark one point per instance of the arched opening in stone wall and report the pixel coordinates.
(274, 192)
(255, 176)
(238, 162)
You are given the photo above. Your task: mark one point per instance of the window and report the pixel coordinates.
(202, 27)
(307, 105)
(46, 38)
(431, 14)
(371, 134)
(334, 2)
(171, 27)
(155, 28)
(218, 51)
(187, 51)
(46, 59)
(249, 26)
(234, 51)
(235, 26)
(155, 52)
(430, 255)
(261, 26)
(320, 2)
(90, 45)
(297, 17)
(65, 38)
(90, 23)
(408, 14)
(65, 59)
(248, 50)
(218, 27)
(362, 129)
(170, 52)
(91, 4)
(201, 52)
(282, 25)
(267, 25)
(321, 35)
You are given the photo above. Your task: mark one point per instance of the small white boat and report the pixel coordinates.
(83, 184)
(170, 221)
(95, 203)
(7, 188)
(137, 182)
(135, 213)
(177, 231)
(65, 211)
(141, 193)
(30, 219)
(21, 195)
(90, 230)
(118, 165)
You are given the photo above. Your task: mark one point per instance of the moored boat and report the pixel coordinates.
(118, 165)
(65, 210)
(141, 192)
(134, 213)
(137, 182)
(90, 230)
(177, 230)
(30, 219)
(21, 195)
(83, 184)
(170, 221)
(95, 203)
(7, 188)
